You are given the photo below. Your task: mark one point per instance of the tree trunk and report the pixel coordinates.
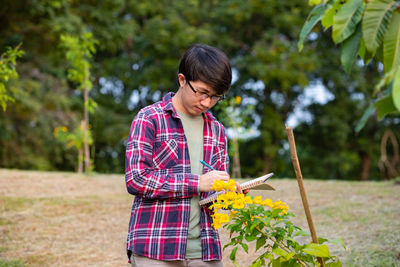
(267, 164)
(236, 172)
(366, 164)
(86, 127)
(80, 160)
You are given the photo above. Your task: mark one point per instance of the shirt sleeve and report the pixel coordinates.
(141, 178)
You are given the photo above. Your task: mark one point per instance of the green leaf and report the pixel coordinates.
(396, 90)
(364, 53)
(317, 250)
(284, 254)
(386, 80)
(327, 19)
(391, 43)
(350, 50)
(375, 22)
(337, 241)
(276, 262)
(250, 238)
(260, 242)
(302, 233)
(245, 247)
(254, 225)
(367, 113)
(385, 106)
(346, 20)
(322, 240)
(233, 254)
(313, 18)
(333, 264)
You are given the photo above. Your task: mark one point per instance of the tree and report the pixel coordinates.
(371, 30)
(79, 50)
(8, 61)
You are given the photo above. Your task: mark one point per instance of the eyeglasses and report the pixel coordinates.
(204, 96)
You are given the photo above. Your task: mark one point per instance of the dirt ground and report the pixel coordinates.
(66, 219)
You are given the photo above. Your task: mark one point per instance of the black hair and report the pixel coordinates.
(209, 65)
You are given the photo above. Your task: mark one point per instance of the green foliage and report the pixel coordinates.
(391, 45)
(11, 263)
(375, 23)
(346, 19)
(79, 50)
(268, 223)
(379, 22)
(8, 62)
(350, 50)
(137, 55)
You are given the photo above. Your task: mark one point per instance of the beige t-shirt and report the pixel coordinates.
(193, 127)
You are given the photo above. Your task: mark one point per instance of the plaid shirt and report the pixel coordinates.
(157, 172)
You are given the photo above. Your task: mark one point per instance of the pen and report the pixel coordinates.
(205, 164)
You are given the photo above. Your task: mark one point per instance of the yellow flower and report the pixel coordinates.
(219, 219)
(230, 195)
(238, 204)
(216, 206)
(268, 202)
(257, 200)
(248, 200)
(218, 185)
(281, 205)
(238, 99)
(233, 213)
(240, 196)
(231, 185)
(64, 129)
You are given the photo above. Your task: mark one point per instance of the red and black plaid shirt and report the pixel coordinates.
(158, 173)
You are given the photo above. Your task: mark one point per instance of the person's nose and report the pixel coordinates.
(208, 103)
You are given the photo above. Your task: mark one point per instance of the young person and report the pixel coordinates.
(167, 140)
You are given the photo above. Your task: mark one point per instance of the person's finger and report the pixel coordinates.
(222, 173)
(246, 191)
(223, 178)
(238, 188)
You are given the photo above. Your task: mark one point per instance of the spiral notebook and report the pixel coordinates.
(255, 184)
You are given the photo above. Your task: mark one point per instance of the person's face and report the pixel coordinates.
(197, 96)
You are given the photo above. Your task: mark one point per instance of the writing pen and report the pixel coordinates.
(206, 164)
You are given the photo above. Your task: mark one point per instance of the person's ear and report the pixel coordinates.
(181, 79)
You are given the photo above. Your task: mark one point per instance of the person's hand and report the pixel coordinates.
(240, 191)
(208, 179)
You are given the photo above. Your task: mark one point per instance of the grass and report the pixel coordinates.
(66, 219)
(11, 263)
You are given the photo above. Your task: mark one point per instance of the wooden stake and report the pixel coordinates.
(299, 176)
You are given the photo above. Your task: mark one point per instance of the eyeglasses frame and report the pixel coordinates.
(220, 97)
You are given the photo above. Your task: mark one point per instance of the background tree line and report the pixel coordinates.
(139, 44)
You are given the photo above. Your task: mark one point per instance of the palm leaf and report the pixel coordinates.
(396, 90)
(391, 43)
(364, 53)
(327, 19)
(375, 22)
(384, 106)
(312, 19)
(350, 50)
(367, 113)
(346, 20)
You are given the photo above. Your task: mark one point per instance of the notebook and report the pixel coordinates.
(255, 184)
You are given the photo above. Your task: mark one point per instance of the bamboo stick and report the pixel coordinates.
(299, 176)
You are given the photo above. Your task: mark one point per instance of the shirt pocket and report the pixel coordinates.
(217, 156)
(166, 154)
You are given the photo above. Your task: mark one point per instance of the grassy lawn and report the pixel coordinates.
(66, 219)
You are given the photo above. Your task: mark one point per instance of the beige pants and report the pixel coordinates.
(140, 261)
